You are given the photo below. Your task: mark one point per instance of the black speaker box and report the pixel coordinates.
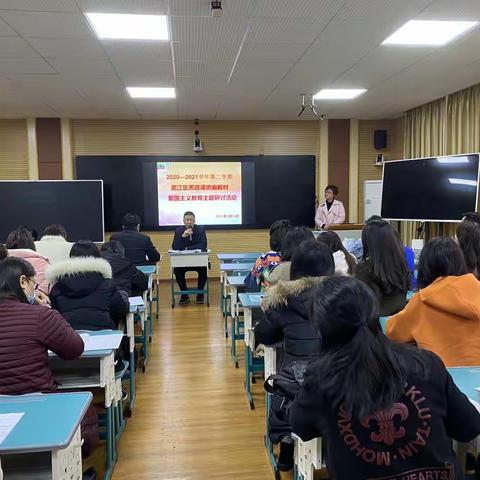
(380, 139)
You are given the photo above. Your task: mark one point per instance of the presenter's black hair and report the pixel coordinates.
(84, 248)
(189, 213)
(278, 230)
(333, 188)
(130, 221)
(293, 238)
(440, 257)
(312, 259)
(359, 367)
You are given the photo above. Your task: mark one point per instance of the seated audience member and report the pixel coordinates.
(53, 244)
(468, 237)
(28, 331)
(258, 276)
(190, 237)
(292, 241)
(138, 246)
(286, 307)
(3, 252)
(384, 398)
(83, 290)
(345, 263)
(409, 253)
(444, 316)
(383, 267)
(20, 244)
(126, 275)
(473, 217)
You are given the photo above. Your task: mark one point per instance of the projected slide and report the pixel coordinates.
(212, 190)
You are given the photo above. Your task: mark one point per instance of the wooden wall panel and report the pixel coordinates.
(158, 137)
(339, 158)
(367, 170)
(13, 150)
(49, 148)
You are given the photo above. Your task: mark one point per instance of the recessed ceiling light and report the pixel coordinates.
(151, 92)
(339, 93)
(428, 32)
(129, 27)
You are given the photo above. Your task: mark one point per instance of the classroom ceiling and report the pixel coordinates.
(250, 64)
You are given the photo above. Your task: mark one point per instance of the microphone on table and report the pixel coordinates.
(190, 238)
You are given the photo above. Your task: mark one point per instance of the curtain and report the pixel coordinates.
(425, 135)
(450, 125)
(463, 117)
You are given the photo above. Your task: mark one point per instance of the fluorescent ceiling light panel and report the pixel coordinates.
(129, 27)
(339, 93)
(462, 181)
(452, 160)
(151, 92)
(428, 32)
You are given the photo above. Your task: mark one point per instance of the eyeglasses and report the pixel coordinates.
(36, 285)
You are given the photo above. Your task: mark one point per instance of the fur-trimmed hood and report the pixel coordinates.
(281, 294)
(77, 266)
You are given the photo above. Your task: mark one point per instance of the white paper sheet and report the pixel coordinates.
(103, 342)
(135, 301)
(7, 423)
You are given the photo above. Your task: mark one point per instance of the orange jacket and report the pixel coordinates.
(443, 318)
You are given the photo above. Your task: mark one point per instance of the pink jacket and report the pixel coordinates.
(38, 262)
(326, 217)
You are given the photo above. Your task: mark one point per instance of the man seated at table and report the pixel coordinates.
(190, 237)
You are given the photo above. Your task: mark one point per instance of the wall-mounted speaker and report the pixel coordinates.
(380, 139)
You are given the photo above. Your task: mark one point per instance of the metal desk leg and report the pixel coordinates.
(131, 367)
(234, 341)
(268, 443)
(248, 375)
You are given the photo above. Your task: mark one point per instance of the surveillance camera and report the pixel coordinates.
(323, 116)
(216, 8)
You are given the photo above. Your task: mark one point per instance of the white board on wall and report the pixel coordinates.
(372, 198)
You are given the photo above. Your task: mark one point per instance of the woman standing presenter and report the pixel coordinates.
(331, 211)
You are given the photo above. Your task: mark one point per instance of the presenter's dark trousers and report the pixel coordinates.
(180, 272)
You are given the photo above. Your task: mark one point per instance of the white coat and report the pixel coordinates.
(326, 217)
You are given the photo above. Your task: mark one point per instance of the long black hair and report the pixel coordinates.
(468, 236)
(11, 269)
(311, 259)
(334, 243)
(293, 238)
(384, 255)
(440, 257)
(359, 366)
